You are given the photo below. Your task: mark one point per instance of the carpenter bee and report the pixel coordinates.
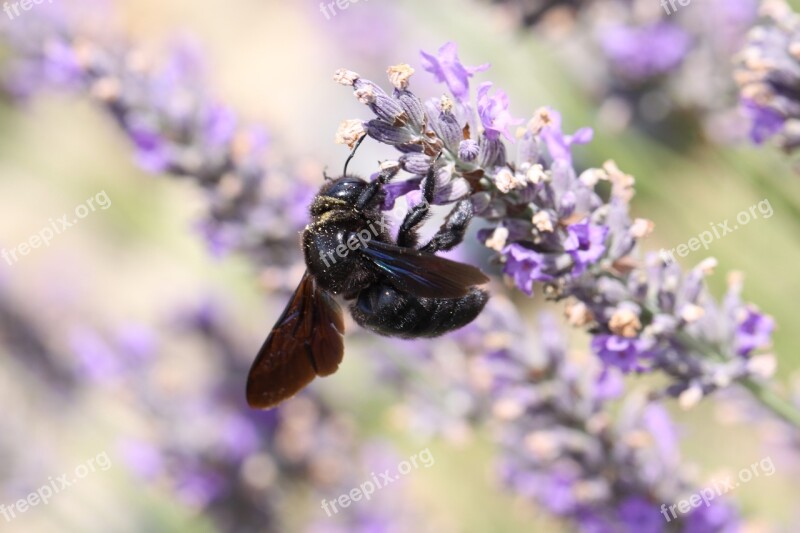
(397, 288)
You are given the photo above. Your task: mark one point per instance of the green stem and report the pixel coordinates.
(772, 401)
(767, 397)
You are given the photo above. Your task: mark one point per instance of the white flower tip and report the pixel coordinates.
(642, 227)
(540, 119)
(446, 104)
(708, 265)
(349, 132)
(625, 322)
(690, 397)
(763, 366)
(543, 222)
(365, 95)
(399, 75)
(578, 314)
(498, 239)
(389, 165)
(345, 77)
(692, 313)
(535, 174)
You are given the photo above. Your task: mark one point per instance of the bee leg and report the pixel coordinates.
(407, 234)
(451, 232)
(369, 192)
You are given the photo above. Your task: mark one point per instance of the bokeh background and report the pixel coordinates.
(126, 336)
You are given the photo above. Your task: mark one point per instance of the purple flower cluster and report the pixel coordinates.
(647, 61)
(177, 128)
(551, 226)
(768, 74)
(559, 447)
(217, 455)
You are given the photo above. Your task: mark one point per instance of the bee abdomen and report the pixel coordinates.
(393, 313)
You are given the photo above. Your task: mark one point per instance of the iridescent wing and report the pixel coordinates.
(423, 274)
(307, 341)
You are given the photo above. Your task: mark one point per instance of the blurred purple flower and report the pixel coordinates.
(524, 266)
(765, 122)
(219, 125)
(198, 488)
(239, 435)
(586, 244)
(637, 515)
(447, 68)
(609, 385)
(559, 146)
(493, 112)
(136, 341)
(620, 352)
(754, 331)
(646, 51)
(719, 517)
(96, 358)
(144, 459)
(152, 152)
(61, 66)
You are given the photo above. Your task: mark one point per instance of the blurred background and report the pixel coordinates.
(126, 337)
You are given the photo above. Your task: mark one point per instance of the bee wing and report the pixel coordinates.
(307, 341)
(423, 274)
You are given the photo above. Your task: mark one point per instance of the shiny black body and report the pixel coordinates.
(387, 304)
(396, 287)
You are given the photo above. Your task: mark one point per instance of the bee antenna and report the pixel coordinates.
(325, 174)
(352, 153)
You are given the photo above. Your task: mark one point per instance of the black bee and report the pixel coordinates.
(396, 288)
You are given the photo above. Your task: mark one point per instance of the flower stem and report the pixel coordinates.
(779, 406)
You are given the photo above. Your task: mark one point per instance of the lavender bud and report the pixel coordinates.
(447, 128)
(415, 163)
(413, 108)
(383, 105)
(388, 134)
(468, 150)
(492, 152)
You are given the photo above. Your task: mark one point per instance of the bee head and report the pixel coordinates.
(345, 188)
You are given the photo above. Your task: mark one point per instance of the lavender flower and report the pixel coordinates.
(448, 69)
(176, 127)
(493, 112)
(644, 52)
(550, 225)
(558, 446)
(524, 266)
(216, 454)
(768, 73)
(648, 63)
